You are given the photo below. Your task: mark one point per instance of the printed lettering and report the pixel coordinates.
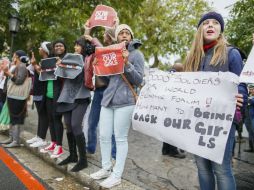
(109, 59)
(101, 15)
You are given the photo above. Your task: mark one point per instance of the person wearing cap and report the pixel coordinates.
(117, 107)
(45, 51)
(210, 52)
(51, 95)
(16, 105)
(101, 84)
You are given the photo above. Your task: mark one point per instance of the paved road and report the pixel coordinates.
(14, 176)
(8, 180)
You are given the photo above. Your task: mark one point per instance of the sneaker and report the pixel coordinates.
(7, 141)
(248, 150)
(13, 144)
(49, 148)
(178, 155)
(111, 181)
(33, 140)
(90, 155)
(38, 143)
(58, 151)
(102, 173)
(113, 162)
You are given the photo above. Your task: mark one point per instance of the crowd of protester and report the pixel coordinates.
(66, 100)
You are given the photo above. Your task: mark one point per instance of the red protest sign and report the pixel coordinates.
(109, 60)
(103, 16)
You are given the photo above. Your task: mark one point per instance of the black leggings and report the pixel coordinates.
(73, 119)
(55, 122)
(43, 121)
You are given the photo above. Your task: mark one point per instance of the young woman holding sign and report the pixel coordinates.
(210, 52)
(73, 102)
(100, 86)
(117, 107)
(50, 95)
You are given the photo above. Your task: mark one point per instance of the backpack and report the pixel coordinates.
(243, 55)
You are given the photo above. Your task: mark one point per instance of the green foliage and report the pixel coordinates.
(53, 19)
(164, 67)
(240, 26)
(167, 26)
(50, 20)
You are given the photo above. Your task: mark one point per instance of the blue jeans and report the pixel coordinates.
(207, 170)
(93, 121)
(249, 122)
(119, 121)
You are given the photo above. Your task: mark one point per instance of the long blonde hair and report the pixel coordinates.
(194, 57)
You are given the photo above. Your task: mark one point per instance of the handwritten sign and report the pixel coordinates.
(103, 16)
(193, 111)
(247, 74)
(109, 60)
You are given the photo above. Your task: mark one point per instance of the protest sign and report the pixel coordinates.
(109, 60)
(71, 66)
(247, 74)
(193, 111)
(103, 16)
(48, 67)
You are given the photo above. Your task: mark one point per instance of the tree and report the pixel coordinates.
(240, 26)
(52, 19)
(167, 26)
(6, 10)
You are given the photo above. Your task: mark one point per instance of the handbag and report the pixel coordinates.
(135, 95)
(88, 72)
(100, 82)
(19, 92)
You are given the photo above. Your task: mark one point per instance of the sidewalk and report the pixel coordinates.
(145, 167)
